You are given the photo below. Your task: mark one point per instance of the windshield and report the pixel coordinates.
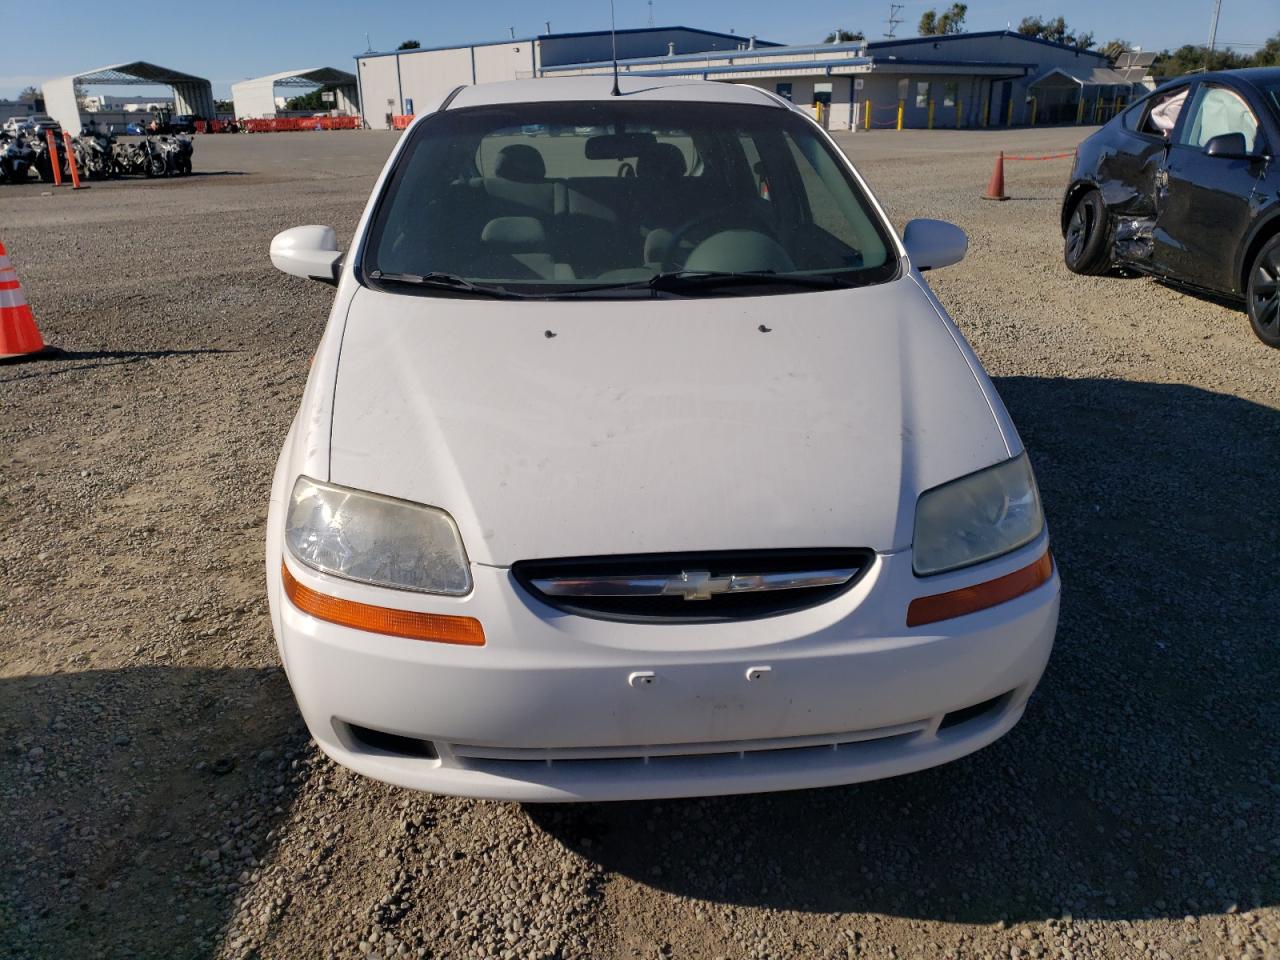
(554, 199)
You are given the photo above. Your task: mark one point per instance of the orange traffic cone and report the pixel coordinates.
(19, 338)
(995, 189)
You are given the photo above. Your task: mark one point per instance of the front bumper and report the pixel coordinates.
(551, 709)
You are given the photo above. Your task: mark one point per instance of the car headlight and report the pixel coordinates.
(375, 539)
(976, 518)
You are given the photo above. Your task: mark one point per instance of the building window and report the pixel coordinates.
(822, 93)
(952, 91)
(784, 91)
(922, 94)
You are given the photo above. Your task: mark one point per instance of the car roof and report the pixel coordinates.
(600, 87)
(1253, 75)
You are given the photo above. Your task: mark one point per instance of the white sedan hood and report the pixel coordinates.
(576, 428)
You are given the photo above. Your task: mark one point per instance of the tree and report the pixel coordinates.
(1055, 30)
(1195, 58)
(951, 20)
(29, 95)
(841, 35)
(1269, 54)
(409, 45)
(1112, 49)
(307, 101)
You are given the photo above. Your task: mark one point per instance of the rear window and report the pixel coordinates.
(553, 198)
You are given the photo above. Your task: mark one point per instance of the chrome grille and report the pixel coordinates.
(693, 587)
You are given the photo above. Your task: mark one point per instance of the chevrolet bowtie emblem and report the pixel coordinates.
(697, 585)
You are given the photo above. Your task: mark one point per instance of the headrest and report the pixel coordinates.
(663, 161)
(657, 244)
(739, 251)
(521, 163)
(515, 235)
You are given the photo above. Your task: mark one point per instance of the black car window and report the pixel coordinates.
(1215, 111)
(1133, 117)
(1162, 113)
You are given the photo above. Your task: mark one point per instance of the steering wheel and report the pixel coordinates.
(720, 221)
(626, 169)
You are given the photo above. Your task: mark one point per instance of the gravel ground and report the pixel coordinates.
(159, 796)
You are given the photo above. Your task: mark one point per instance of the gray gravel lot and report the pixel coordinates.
(159, 796)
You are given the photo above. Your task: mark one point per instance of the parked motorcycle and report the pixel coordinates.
(16, 158)
(143, 157)
(177, 154)
(44, 160)
(95, 154)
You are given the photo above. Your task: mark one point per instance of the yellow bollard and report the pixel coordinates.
(959, 111)
(901, 104)
(931, 105)
(868, 114)
(1008, 122)
(1033, 111)
(986, 112)
(1080, 110)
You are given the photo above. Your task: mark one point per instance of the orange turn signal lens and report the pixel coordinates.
(956, 603)
(433, 627)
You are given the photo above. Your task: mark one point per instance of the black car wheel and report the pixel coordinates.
(1264, 293)
(1085, 249)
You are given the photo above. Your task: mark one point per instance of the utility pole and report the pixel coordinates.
(894, 19)
(368, 47)
(1213, 31)
(651, 20)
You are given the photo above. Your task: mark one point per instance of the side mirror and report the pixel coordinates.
(309, 252)
(1228, 146)
(934, 243)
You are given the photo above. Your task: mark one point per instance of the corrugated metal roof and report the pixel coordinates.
(1086, 76)
(310, 75)
(136, 72)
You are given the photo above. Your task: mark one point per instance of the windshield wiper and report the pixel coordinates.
(690, 281)
(680, 281)
(442, 281)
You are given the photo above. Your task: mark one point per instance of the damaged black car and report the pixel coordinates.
(1184, 185)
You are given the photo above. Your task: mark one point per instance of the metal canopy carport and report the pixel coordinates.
(1061, 92)
(256, 99)
(191, 95)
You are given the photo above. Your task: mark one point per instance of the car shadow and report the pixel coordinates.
(135, 804)
(67, 361)
(1144, 779)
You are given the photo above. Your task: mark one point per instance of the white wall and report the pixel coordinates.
(429, 75)
(254, 99)
(504, 61)
(379, 89)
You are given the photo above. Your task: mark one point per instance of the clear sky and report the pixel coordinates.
(230, 40)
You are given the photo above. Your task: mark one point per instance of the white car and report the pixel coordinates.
(16, 125)
(639, 461)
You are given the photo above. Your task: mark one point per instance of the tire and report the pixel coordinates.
(156, 167)
(1086, 248)
(1263, 293)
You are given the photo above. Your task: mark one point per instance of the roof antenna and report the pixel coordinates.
(613, 34)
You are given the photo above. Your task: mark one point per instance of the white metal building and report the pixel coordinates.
(398, 82)
(256, 99)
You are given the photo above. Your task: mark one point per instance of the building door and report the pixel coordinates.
(1002, 112)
